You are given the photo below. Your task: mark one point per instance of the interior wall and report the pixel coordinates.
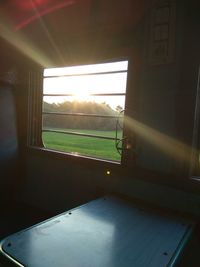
(156, 93)
(156, 98)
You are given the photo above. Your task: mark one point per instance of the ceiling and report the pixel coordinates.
(73, 15)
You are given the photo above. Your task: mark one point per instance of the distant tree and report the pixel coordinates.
(78, 122)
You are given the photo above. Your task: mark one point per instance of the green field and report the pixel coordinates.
(87, 146)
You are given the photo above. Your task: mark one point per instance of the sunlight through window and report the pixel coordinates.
(81, 106)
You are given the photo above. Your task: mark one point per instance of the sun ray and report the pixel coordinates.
(168, 145)
(21, 43)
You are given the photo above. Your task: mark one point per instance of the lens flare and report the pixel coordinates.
(40, 11)
(21, 43)
(23, 13)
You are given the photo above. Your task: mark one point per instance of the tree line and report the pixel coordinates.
(74, 121)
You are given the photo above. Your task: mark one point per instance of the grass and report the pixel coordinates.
(87, 146)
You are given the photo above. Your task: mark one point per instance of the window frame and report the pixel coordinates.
(36, 115)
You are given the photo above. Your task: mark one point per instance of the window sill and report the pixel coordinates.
(119, 169)
(74, 158)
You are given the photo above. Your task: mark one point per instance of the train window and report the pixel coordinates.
(82, 106)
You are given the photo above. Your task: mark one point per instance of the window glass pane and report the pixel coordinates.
(110, 105)
(95, 126)
(86, 85)
(84, 69)
(88, 102)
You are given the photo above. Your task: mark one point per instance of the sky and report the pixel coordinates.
(80, 82)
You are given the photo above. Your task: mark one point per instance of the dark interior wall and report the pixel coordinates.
(157, 97)
(166, 96)
(68, 184)
(14, 69)
(95, 43)
(8, 141)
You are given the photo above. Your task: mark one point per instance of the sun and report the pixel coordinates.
(81, 96)
(99, 83)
